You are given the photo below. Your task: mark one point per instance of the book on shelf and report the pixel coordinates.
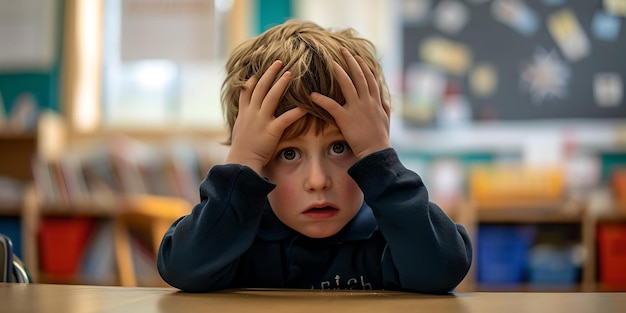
(11, 193)
(44, 180)
(186, 172)
(71, 168)
(101, 182)
(144, 263)
(99, 264)
(100, 176)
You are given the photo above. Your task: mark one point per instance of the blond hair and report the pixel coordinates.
(308, 51)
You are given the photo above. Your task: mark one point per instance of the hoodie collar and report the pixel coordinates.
(362, 226)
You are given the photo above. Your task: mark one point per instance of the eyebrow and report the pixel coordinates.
(333, 132)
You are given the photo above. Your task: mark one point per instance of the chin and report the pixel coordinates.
(319, 234)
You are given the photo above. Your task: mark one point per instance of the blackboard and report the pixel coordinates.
(509, 51)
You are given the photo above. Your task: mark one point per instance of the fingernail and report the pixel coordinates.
(279, 62)
(287, 74)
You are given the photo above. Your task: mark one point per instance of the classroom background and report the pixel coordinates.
(512, 111)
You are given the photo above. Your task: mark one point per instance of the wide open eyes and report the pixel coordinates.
(338, 148)
(289, 154)
(293, 154)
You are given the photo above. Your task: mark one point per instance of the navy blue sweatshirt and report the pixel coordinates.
(398, 240)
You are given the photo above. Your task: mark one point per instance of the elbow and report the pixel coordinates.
(193, 278)
(456, 266)
(188, 281)
(439, 281)
(442, 274)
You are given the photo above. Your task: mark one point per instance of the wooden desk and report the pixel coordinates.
(35, 298)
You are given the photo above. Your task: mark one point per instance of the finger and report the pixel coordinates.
(372, 84)
(345, 83)
(246, 92)
(356, 72)
(265, 83)
(330, 105)
(270, 102)
(387, 109)
(287, 118)
(278, 126)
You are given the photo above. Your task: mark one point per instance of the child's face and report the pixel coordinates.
(314, 194)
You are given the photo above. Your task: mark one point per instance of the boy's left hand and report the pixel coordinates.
(364, 118)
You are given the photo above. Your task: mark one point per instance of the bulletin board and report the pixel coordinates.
(540, 59)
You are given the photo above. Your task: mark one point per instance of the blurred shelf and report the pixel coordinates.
(17, 152)
(527, 216)
(618, 217)
(11, 211)
(79, 210)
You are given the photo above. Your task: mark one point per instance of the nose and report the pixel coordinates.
(317, 175)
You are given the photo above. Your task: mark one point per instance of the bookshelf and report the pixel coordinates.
(17, 151)
(120, 193)
(575, 217)
(115, 237)
(135, 219)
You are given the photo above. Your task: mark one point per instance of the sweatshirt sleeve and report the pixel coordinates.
(200, 251)
(426, 251)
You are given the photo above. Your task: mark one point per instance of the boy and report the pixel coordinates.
(312, 195)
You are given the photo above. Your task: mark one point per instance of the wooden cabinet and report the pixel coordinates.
(569, 220)
(149, 217)
(16, 153)
(120, 222)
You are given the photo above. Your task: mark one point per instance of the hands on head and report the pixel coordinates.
(256, 131)
(363, 119)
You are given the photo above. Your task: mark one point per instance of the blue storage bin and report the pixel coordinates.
(553, 265)
(503, 253)
(11, 226)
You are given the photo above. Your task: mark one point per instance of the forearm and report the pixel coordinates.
(428, 251)
(200, 251)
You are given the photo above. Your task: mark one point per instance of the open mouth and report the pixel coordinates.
(321, 212)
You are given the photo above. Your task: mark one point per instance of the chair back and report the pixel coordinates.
(12, 269)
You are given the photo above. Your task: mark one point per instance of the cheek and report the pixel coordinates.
(285, 191)
(350, 189)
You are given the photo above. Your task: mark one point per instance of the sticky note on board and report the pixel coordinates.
(450, 16)
(569, 35)
(605, 26)
(453, 57)
(608, 89)
(416, 11)
(483, 80)
(424, 89)
(615, 7)
(515, 14)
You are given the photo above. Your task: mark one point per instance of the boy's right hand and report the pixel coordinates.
(256, 131)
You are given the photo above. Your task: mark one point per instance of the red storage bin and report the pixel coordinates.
(612, 253)
(62, 242)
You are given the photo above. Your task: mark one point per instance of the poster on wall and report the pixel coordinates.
(176, 30)
(467, 61)
(27, 34)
